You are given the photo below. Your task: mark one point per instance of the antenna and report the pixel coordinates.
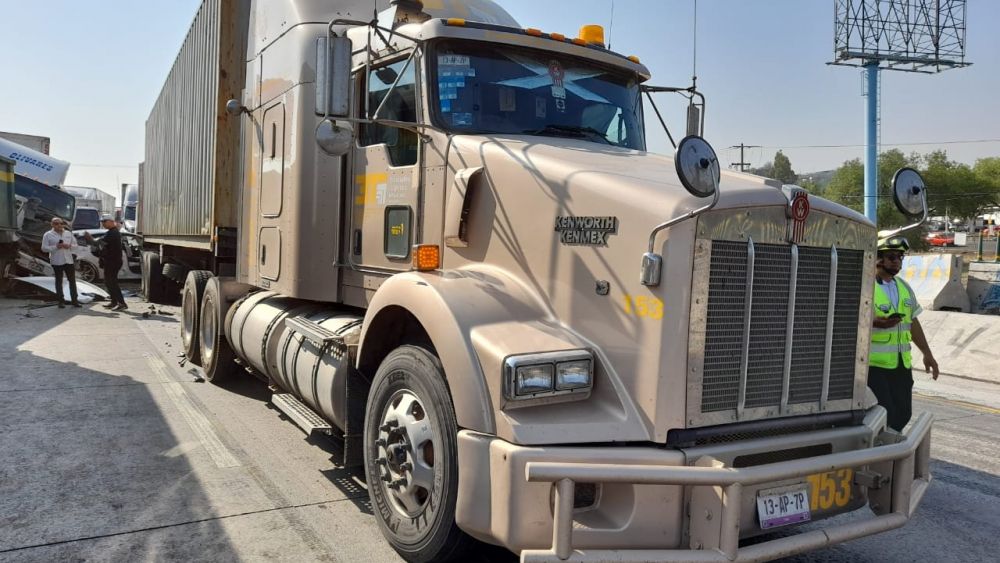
(694, 50)
(611, 26)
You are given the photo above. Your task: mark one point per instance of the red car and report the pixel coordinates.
(940, 239)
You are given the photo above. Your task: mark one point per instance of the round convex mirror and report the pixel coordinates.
(697, 166)
(908, 192)
(334, 139)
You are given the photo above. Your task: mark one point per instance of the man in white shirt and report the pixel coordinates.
(60, 245)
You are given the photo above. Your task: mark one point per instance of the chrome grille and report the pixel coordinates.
(765, 355)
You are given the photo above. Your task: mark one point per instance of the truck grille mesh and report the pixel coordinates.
(772, 273)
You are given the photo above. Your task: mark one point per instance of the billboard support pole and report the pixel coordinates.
(871, 143)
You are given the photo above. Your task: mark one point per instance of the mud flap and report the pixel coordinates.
(357, 397)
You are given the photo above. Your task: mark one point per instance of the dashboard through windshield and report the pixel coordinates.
(482, 89)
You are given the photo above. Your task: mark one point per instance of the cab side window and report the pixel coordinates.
(401, 106)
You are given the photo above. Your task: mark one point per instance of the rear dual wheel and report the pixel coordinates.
(217, 359)
(194, 290)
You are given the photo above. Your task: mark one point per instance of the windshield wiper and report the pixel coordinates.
(570, 131)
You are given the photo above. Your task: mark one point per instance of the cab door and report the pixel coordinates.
(385, 170)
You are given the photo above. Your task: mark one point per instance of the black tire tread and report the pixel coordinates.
(196, 281)
(450, 543)
(223, 366)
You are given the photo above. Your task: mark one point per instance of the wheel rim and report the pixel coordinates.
(207, 332)
(406, 447)
(88, 272)
(188, 321)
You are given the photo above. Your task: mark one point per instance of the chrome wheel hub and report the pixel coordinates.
(405, 457)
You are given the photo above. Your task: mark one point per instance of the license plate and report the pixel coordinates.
(784, 508)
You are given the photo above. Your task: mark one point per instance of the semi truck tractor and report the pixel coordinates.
(439, 236)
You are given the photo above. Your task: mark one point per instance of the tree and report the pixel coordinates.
(783, 169)
(847, 187)
(952, 187)
(779, 169)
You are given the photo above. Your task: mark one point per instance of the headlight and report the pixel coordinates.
(533, 379)
(573, 375)
(548, 377)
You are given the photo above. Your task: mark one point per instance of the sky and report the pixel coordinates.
(86, 74)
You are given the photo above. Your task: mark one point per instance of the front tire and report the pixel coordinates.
(411, 457)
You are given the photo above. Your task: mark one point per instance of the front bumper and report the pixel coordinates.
(501, 500)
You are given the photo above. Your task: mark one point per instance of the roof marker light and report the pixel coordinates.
(557, 36)
(456, 21)
(592, 34)
(533, 31)
(634, 59)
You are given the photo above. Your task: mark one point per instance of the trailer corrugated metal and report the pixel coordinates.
(192, 158)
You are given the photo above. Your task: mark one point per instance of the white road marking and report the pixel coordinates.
(197, 421)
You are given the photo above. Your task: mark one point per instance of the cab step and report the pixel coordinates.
(301, 415)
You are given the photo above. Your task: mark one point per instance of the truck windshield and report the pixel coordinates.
(52, 200)
(482, 89)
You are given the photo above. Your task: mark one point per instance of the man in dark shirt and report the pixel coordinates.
(110, 254)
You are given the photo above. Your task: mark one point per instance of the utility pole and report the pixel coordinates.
(742, 163)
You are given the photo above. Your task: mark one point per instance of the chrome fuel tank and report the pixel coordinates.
(317, 375)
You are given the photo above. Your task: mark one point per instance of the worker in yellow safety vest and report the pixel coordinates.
(894, 327)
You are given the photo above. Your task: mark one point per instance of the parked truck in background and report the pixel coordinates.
(91, 203)
(439, 237)
(129, 206)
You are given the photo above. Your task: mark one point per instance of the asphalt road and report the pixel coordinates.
(111, 451)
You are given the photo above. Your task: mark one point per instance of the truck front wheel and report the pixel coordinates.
(411, 457)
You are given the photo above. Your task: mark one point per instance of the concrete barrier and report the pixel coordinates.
(964, 345)
(937, 281)
(984, 287)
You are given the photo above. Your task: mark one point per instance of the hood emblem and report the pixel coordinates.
(797, 212)
(588, 231)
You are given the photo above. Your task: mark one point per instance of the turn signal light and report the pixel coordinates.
(592, 34)
(426, 257)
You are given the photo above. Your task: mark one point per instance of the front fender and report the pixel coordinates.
(449, 305)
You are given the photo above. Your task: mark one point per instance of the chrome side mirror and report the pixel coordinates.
(698, 169)
(234, 107)
(334, 138)
(909, 193)
(333, 76)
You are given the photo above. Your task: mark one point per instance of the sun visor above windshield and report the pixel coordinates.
(32, 164)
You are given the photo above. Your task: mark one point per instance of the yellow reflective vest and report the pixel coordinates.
(888, 344)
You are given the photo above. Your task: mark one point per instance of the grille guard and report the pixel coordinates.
(908, 461)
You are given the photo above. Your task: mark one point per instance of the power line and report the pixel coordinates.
(970, 141)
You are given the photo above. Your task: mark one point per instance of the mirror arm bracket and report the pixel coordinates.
(894, 232)
(652, 263)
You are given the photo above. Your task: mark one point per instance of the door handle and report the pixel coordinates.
(456, 228)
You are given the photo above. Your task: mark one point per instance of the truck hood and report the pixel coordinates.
(567, 219)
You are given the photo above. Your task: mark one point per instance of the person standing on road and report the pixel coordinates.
(894, 326)
(60, 245)
(110, 256)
